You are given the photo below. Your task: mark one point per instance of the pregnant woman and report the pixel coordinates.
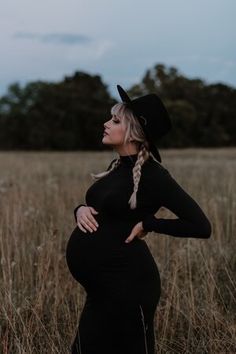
(106, 252)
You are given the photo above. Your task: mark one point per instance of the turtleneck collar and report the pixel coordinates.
(128, 160)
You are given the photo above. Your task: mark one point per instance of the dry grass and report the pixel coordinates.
(40, 301)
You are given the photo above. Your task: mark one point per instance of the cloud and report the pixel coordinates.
(92, 53)
(58, 38)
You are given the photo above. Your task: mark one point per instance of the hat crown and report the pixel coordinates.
(151, 114)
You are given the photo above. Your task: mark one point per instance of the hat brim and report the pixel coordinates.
(154, 151)
(123, 94)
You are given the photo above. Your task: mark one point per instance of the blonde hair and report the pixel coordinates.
(134, 132)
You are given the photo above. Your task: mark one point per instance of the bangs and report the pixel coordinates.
(118, 109)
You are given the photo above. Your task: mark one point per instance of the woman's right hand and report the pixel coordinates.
(85, 219)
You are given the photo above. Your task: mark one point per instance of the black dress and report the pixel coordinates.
(121, 279)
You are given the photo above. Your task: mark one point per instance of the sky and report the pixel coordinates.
(118, 40)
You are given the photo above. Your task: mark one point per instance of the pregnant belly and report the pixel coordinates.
(107, 266)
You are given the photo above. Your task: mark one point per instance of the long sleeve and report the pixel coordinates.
(191, 221)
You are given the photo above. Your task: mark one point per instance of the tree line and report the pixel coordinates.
(69, 115)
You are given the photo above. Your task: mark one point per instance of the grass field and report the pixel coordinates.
(41, 302)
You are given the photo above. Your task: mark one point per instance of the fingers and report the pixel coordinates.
(86, 224)
(81, 227)
(87, 221)
(130, 238)
(93, 210)
(133, 235)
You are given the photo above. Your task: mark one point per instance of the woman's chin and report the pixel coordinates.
(105, 141)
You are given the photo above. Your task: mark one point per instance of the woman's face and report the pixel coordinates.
(114, 131)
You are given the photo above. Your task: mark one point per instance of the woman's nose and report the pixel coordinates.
(106, 124)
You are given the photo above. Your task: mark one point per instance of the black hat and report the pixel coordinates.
(152, 116)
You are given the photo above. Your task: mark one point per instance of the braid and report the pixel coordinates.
(143, 155)
(114, 164)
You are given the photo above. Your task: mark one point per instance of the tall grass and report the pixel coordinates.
(41, 302)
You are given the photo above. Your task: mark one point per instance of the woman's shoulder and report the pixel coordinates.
(154, 166)
(154, 173)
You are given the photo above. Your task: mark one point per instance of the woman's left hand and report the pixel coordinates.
(137, 231)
